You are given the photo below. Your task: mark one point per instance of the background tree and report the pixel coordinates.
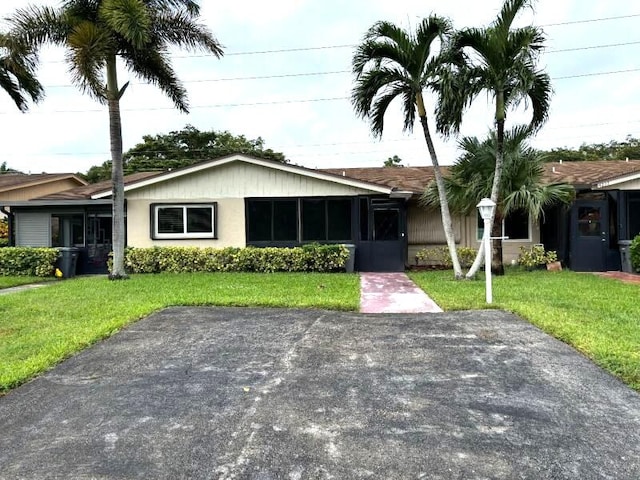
(394, 161)
(183, 148)
(95, 34)
(501, 61)
(17, 68)
(6, 169)
(521, 185)
(391, 64)
(612, 150)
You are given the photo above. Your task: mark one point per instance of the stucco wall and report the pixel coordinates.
(230, 224)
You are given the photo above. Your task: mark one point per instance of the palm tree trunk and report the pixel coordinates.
(497, 265)
(442, 195)
(495, 186)
(115, 133)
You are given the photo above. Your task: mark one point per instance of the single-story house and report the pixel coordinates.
(240, 200)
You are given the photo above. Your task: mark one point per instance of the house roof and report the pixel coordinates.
(14, 181)
(590, 173)
(388, 180)
(88, 191)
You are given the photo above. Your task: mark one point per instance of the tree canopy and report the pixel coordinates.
(612, 150)
(183, 148)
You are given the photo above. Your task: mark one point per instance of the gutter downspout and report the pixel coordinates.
(10, 221)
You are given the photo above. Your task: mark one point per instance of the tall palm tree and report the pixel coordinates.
(17, 68)
(521, 188)
(501, 61)
(95, 34)
(390, 64)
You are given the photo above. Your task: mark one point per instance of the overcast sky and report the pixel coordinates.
(286, 77)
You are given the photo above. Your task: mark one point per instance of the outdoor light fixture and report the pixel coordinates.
(486, 208)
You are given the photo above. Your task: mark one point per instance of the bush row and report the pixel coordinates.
(39, 262)
(441, 256)
(308, 258)
(634, 251)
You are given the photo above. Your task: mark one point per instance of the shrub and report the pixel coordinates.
(308, 258)
(634, 251)
(39, 262)
(441, 256)
(535, 256)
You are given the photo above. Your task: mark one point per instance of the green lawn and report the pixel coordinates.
(39, 328)
(600, 317)
(6, 282)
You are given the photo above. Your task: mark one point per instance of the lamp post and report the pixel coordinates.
(486, 208)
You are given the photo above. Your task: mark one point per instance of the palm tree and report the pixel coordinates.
(521, 187)
(499, 60)
(17, 65)
(390, 64)
(95, 34)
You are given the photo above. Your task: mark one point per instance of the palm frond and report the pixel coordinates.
(190, 6)
(509, 11)
(154, 66)
(128, 19)
(35, 26)
(17, 72)
(180, 29)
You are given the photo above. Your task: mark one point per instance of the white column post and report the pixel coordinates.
(486, 208)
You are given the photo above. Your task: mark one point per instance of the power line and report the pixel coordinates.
(597, 73)
(603, 19)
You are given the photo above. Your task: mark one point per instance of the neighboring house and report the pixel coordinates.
(240, 200)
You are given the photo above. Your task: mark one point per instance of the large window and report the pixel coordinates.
(515, 226)
(183, 221)
(299, 220)
(272, 220)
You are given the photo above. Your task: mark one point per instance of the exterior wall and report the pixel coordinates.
(228, 185)
(424, 229)
(35, 191)
(240, 180)
(230, 224)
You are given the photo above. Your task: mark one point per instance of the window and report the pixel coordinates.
(326, 220)
(183, 221)
(67, 230)
(295, 221)
(515, 226)
(272, 220)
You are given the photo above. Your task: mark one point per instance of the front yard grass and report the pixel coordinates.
(39, 328)
(598, 316)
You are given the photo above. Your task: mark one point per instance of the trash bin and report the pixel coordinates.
(68, 261)
(625, 256)
(351, 261)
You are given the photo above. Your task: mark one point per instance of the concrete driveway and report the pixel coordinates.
(289, 394)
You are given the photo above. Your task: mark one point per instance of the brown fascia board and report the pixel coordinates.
(41, 181)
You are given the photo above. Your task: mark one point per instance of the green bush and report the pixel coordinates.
(308, 258)
(38, 262)
(441, 256)
(535, 256)
(634, 251)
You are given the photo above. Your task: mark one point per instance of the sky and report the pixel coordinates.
(286, 77)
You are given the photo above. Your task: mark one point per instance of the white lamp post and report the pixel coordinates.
(486, 208)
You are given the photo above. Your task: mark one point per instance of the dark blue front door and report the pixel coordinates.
(382, 246)
(589, 236)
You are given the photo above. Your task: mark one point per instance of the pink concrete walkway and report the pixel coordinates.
(393, 293)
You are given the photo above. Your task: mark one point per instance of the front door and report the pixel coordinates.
(382, 246)
(589, 235)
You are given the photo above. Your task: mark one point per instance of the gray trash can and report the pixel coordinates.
(625, 256)
(351, 261)
(68, 261)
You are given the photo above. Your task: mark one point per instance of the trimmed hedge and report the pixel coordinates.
(38, 262)
(634, 251)
(441, 256)
(308, 258)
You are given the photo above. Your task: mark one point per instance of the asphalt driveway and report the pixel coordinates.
(288, 394)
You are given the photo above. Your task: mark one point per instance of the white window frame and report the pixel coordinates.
(529, 231)
(155, 208)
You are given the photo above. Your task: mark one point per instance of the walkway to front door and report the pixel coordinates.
(393, 293)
